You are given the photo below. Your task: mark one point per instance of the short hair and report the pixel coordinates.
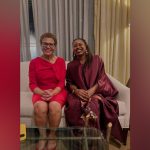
(48, 35)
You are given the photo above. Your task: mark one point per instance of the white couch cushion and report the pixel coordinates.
(24, 78)
(26, 106)
(28, 121)
(122, 108)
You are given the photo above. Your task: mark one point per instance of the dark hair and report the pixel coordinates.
(89, 54)
(48, 35)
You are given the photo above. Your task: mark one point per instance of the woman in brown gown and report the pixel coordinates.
(90, 92)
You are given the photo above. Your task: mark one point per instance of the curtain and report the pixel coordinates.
(67, 19)
(112, 36)
(25, 53)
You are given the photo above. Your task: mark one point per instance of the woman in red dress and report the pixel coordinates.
(92, 97)
(47, 82)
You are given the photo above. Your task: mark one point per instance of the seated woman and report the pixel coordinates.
(47, 80)
(91, 99)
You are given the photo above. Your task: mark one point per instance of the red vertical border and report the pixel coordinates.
(9, 74)
(140, 74)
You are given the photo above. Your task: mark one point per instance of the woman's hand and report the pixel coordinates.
(47, 95)
(92, 90)
(83, 94)
(97, 97)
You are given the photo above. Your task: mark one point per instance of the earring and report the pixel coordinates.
(74, 54)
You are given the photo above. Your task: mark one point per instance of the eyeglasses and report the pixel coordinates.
(44, 44)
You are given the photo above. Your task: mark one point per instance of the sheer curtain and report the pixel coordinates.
(67, 19)
(112, 36)
(25, 33)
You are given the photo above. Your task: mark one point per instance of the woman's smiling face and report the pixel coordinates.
(48, 46)
(79, 47)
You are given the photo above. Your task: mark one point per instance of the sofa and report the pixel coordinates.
(26, 106)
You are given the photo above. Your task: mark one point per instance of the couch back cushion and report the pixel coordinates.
(24, 78)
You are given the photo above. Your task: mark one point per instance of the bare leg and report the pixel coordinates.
(41, 110)
(54, 121)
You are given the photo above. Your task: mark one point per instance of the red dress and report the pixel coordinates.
(46, 75)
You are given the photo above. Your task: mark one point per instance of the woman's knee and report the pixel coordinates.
(54, 107)
(40, 108)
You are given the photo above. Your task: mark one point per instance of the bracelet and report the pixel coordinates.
(73, 91)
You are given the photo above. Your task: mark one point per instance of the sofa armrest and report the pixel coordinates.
(124, 95)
